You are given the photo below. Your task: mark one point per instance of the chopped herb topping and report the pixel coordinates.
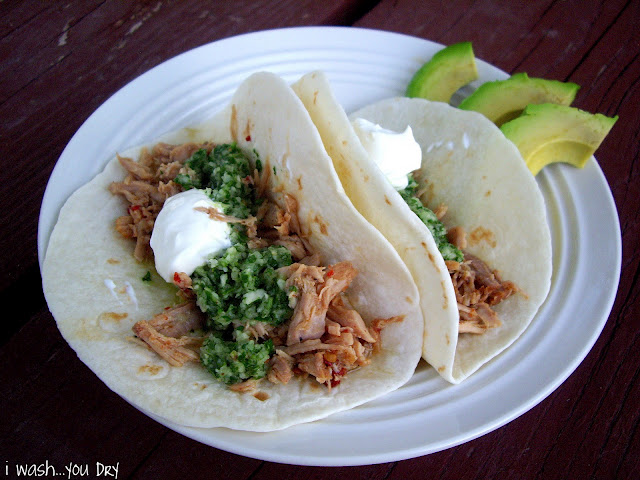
(147, 277)
(435, 226)
(242, 286)
(233, 361)
(222, 174)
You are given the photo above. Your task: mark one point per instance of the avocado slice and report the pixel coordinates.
(504, 100)
(448, 70)
(549, 133)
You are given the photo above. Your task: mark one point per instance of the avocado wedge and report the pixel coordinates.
(549, 133)
(503, 100)
(448, 70)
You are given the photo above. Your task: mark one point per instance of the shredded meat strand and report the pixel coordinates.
(347, 317)
(311, 346)
(458, 237)
(179, 320)
(281, 368)
(146, 187)
(316, 293)
(478, 288)
(244, 387)
(167, 333)
(176, 351)
(280, 226)
(314, 364)
(215, 214)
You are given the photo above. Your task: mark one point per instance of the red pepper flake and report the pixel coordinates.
(248, 180)
(248, 138)
(334, 383)
(176, 277)
(330, 273)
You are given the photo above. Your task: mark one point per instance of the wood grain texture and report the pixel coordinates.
(60, 60)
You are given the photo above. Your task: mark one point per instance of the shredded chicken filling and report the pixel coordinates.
(146, 187)
(477, 289)
(325, 337)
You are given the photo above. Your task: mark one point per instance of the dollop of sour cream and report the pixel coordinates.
(396, 153)
(184, 237)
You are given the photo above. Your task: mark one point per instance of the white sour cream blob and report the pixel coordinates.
(396, 153)
(183, 237)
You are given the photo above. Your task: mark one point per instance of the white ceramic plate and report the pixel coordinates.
(427, 414)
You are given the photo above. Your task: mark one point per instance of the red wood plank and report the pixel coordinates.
(58, 62)
(176, 456)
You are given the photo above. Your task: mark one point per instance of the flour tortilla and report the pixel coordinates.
(85, 255)
(479, 175)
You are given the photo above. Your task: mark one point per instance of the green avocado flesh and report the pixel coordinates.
(448, 70)
(549, 133)
(504, 100)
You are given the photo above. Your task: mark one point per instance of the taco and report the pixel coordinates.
(303, 310)
(484, 268)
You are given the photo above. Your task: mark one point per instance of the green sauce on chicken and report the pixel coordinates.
(435, 226)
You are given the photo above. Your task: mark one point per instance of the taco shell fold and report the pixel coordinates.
(469, 166)
(94, 289)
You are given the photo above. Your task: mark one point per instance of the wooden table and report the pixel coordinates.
(60, 60)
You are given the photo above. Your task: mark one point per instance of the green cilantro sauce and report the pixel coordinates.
(222, 175)
(235, 361)
(241, 286)
(435, 226)
(238, 286)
